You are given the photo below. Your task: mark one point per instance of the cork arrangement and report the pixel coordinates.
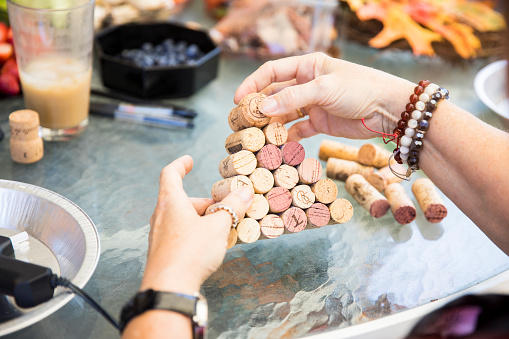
(367, 175)
(290, 195)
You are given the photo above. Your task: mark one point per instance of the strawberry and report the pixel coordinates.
(5, 51)
(8, 84)
(10, 67)
(3, 32)
(9, 36)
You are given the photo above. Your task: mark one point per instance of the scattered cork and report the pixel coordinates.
(271, 226)
(286, 176)
(310, 171)
(429, 200)
(26, 145)
(248, 231)
(302, 196)
(259, 207)
(262, 179)
(249, 139)
(240, 163)
(366, 195)
(275, 134)
(325, 191)
(334, 149)
(318, 214)
(374, 155)
(232, 238)
(294, 219)
(247, 113)
(384, 177)
(341, 211)
(293, 153)
(338, 169)
(211, 207)
(269, 157)
(224, 187)
(279, 199)
(402, 206)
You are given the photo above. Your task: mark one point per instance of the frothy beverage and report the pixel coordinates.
(58, 89)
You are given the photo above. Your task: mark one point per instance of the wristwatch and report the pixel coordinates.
(193, 306)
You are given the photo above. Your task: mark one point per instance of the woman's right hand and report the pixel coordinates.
(335, 94)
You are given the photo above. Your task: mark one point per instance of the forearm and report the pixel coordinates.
(159, 324)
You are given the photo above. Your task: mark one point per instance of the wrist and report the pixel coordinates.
(172, 278)
(396, 96)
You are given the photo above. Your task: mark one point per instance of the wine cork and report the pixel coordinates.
(269, 157)
(286, 176)
(383, 177)
(224, 187)
(429, 200)
(248, 231)
(259, 207)
(271, 226)
(318, 214)
(293, 153)
(279, 199)
(262, 179)
(240, 163)
(341, 211)
(211, 207)
(402, 206)
(26, 145)
(302, 196)
(373, 155)
(325, 191)
(275, 134)
(249, 139)
(366, 195)
(334, 149)
(338, 169)
(294, 219)
(310, 171)
(232, 238)
(247, 114)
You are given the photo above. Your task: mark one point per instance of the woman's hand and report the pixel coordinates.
(185, 248)
(335, 94)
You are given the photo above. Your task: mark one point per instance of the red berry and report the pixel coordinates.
(8, 84)
(3, 32)
(6, 51)
(10, 67)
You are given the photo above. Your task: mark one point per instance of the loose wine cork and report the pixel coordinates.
(269, 157)
(272, 226)
(334, 149)
(249, 139)
(25, 143)
(259, 207)
(247, 114)
(338, 169)
(240, 163)
(402, 206)
(279, 199)
(341, 211)
(318, 214)
(373, 155)
(248, 231)
(286, 176)
(294, 219)
(224, 187)
(310, 171)
(383, 177)
(275, 134)
(302, 196)
(429, 200)
(262, 179)
(366, 195)
(325, 191)
(293, 153)
(211, 207)
(232, 238)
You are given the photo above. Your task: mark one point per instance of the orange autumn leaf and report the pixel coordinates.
(477, 15)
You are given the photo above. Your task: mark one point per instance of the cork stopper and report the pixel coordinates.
(366, 195)
(249, 139)
(269, 157)
(279, 199)
(262, 179)
(302, 196)
(429, 200)
(383, 177)
(275, 134)
(341, 211)
(26, 145)
(259, 207)
(334, 149)
(374, 155)
(247, 113)
(325, 191)
(286, 176)
(402, 206)
(272, 226)
(339, 169)
(310, 171)
(224, 187)
(294, 219)
(293, 153)
(240, 163)
(232, 238)
(248, 231)
(318, 214)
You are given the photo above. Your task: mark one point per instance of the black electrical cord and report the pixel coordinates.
(60, 281)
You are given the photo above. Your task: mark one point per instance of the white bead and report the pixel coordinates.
(431, 88)
(416, 115)
(424, 97)
(404, 150)
(412, 123)
(420, 105)
(403, 157)
(405, 141)
(409, 132)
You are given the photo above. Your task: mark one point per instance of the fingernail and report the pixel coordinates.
(268, 106)
(245, 193)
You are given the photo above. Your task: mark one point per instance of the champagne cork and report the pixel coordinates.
(269, 157)
(341, 211)
(310, 171)
(286, 176)
(240, 163)
(259, 207)
(294, 219)
(279, 199)
(338, 169)
(366, 195)
(402, 206)
(318, 214)
(232, 238)
(275, 134)
(383, 177)
(302, 196)
(325, 191)
(293, 153)
(249, 139)
(224, 187)
(211, 207)
(272, 226)
(247, 114)
(248, 231)
(373, 155)
(262, 179)
(429, 200)
(26, 145)
(334, 149)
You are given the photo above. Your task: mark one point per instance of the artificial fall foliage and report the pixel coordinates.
(422, 22)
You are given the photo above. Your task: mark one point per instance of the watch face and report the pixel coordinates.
(202, 313)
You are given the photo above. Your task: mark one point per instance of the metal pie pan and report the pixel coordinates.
(61, 237)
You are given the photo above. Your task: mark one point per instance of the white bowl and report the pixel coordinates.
(490, 84)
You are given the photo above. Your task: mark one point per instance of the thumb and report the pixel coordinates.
(240, 200)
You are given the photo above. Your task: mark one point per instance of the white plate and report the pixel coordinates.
(490, 84)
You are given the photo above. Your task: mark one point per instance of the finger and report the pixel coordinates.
(239, 200)
(170, 180)
(278, 87)
(301, 130)
(201, 204)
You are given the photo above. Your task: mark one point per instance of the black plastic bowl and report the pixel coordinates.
(155, 81)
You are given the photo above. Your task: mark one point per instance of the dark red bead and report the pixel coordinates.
(397, 157)
(414, 98)
(401, 124)
(398, 132)
(410, 107)
(418, 90)
(424, 83)
(405, 116)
